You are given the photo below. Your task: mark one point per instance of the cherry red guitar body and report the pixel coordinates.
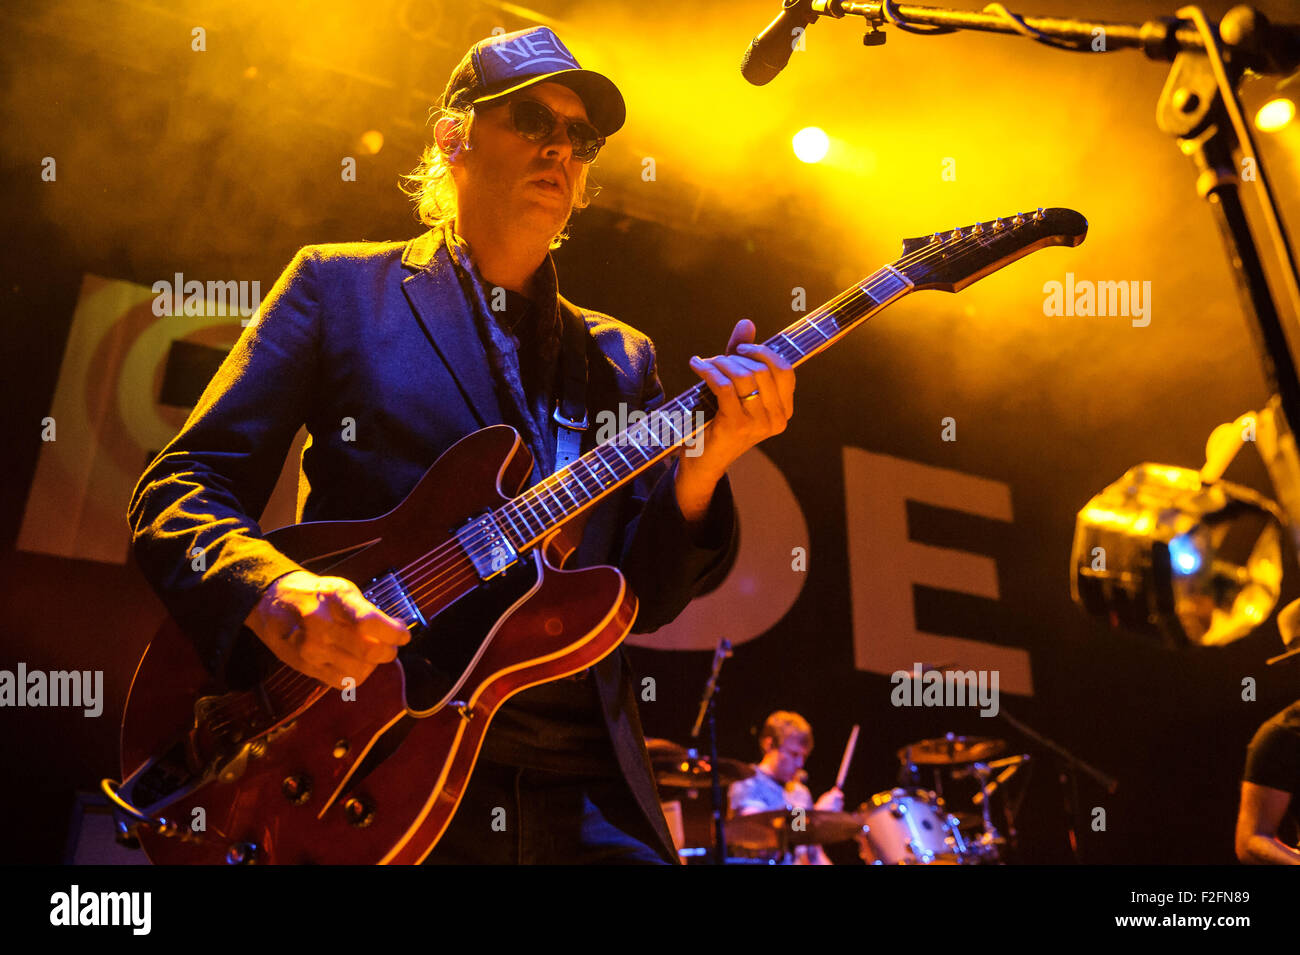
(289, 771)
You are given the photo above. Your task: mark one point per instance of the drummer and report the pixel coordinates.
(786, 741)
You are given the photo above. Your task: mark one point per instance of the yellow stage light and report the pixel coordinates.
(372, 140)
(1275, 114)
(811, 144)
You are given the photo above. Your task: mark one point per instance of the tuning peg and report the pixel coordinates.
(1038, 216)
(976, 229)
(1018, 220)
(999, 224)
(936, 238)
(956, 234)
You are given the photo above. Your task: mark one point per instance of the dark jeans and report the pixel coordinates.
(515, 816)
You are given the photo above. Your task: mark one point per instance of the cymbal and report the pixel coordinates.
(664, 747)
(950, 750)
(675, 768)
(775, 829)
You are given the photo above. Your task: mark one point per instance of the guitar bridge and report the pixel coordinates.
(487, 548)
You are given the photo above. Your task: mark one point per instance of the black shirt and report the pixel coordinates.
(1273, 760)
(557, 726)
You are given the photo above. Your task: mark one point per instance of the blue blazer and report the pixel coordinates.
(381, 333)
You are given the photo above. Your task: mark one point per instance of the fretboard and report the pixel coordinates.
(536, 512)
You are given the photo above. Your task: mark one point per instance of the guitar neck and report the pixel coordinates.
(541, 509)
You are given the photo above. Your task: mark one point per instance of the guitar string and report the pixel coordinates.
(560, 480)
(463, 568)
(795, 336)
(555, 482)
(422, 588)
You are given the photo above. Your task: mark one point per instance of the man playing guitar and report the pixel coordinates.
(345, 335)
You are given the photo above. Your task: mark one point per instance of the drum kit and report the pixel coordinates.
(907, 825)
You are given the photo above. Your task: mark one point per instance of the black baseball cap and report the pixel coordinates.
(500, 65)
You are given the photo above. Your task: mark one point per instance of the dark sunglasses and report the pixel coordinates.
(535, 123)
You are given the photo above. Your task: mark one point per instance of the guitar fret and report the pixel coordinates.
(660, 441)
(801, 352)
(639, 445)
(581, 481)
(531, 514)
(620, 454)
(891, 283)
(601, 459)
(565, 485)
(798, 336)
(818, 329)
(596, 477)
(554, 491)
(505, 512)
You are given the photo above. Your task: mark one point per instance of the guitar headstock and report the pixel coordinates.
(950, 261)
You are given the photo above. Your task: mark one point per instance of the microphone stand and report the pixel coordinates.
(1069, 779)
(1199, 106)
(707, 710)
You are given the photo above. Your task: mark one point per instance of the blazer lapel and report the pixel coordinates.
(448, 321)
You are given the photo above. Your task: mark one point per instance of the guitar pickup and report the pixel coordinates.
(398, 601)
(487, 548)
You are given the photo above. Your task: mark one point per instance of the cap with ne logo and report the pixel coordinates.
(500, 65)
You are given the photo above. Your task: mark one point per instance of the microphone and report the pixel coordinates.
(770, 51)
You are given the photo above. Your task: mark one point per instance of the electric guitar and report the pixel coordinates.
(292, 771)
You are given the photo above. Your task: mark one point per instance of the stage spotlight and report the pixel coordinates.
(810, 144)
(371, 141)
(1275, 114)
(1164, 552)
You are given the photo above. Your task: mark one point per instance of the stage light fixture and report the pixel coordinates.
(1164, 551)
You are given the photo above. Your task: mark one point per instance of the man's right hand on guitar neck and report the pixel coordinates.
(325, 628)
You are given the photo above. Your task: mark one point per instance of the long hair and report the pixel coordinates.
(433, 190)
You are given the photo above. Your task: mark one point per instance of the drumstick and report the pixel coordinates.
(848, 757)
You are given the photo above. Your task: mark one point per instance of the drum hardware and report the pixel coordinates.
(780, 830)
(676, 767)
(951, 750)
(909, 827)
(952, 758)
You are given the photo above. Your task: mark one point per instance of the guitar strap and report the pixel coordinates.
(571, 408)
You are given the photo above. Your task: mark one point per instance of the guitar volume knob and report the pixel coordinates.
(242, 853)
(358, 812)
(296, 788)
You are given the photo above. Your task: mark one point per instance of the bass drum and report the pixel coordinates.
(909, 827)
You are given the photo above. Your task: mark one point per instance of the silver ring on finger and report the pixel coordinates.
(752, 394)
